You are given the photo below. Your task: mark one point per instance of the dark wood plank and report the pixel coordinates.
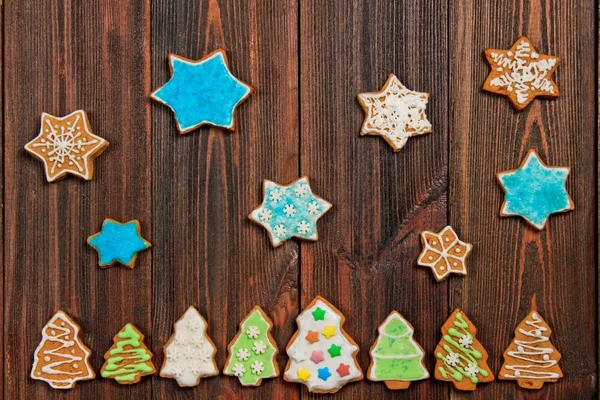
(511, 262)
(2, 188)
(207, 253)
(365, 259)
(66, 56)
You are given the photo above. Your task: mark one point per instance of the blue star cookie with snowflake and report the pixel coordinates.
(118, 242)
(534, 191)
(290, 211)
(202, 92)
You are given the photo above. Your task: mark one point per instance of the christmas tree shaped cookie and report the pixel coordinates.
(189, 353)
(460, 358)
(61, 359)
(253, 350)
(531, 359)
(128, 359)
(396, 358)
(321, 354)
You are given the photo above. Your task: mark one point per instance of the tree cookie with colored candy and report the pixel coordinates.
(460, 358)
(202, 92)
(444, 253)
(535, 191)
(66, 145)
(118, 243)
(252, 352)
(521, 73)
(395, 113)
(396, 358)
(189, 352)
(290, 211)
(61, 359)
(322, 356)
(531, 359)
(128, 359)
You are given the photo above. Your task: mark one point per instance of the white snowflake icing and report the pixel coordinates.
(177, 370)
(257, 367)
(238, 370)
(289, 210)
(196, 367)
(259, 347)
(197, 341)
(181, 339)
(303, 227)
(472, 369)
(204, 356)
(276, 195)
(243, 354)
(192, 353)
(314, 208)
(265, 215)
(279, 230)
(173, 353)
(301, 190)
(253, 332)
(521, 73)
(193, 325)
(465, 341)
(452, 359)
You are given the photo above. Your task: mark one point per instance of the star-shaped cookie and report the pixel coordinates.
(395, 113)
(66, 145)
(202, 92)
(289, 211)
(534, 191)
(118, 242)
(521, 73)
(444, 253)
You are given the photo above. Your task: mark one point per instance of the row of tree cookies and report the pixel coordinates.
(321, 354)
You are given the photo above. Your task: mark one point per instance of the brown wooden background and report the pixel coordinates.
(308, 59)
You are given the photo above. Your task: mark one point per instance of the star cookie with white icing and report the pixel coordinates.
(521, 73)
(395, 113)
(444, 253)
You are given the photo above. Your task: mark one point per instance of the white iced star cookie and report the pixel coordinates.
(289, 211)
(395, 113)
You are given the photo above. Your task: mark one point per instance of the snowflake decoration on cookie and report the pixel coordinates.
(444, 253)
(66, 146)
(252, 332)
(452, 359)
(257, 367)
(534, 191)
(290, 211)
(472, 369)
(465, 341)
(259, 347)
(239, 370)
(521, 73)
(243, 354)
(394, 113)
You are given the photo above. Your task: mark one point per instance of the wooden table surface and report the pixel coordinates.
(307, 59)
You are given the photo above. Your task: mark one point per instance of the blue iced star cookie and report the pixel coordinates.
(118, 242)
(202, 92)
(534, 191)
(289, 211)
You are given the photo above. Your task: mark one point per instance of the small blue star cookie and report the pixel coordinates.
(534, 191)
(202, 92)
(118, 242)
(289, 211)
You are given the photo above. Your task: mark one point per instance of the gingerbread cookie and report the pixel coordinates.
(531, 359)
(252, 352)
(521, 73)
(290, 211)
(396, 358)
(128, 359)
(534, 191)
(118, 242)
(66, 145)
(202, 92)
(189, 353)
(322, 356)
(460, 358)
(444, 253)
(61, 359)
(395, 113)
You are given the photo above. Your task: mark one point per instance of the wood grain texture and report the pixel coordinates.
(66, 56)
(365, 260)
(207, 252)
(511, 261)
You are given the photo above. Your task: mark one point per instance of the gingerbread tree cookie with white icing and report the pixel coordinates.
(189, 352)
(61, 359)
(531, 359)
(253, 351)
(322, 355)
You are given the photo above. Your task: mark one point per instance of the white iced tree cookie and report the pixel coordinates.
(189, 353)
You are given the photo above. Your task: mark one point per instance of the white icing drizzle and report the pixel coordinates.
(531, 351)
(56, 352)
